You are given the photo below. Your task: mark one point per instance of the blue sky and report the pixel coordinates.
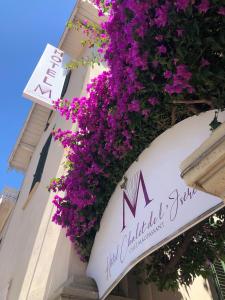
(25, 29)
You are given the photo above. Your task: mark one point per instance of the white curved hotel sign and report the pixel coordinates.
(48, 78)
(154, 207)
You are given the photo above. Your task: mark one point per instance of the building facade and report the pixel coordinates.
(37, 261)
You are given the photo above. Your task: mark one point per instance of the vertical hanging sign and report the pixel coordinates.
(47, 80)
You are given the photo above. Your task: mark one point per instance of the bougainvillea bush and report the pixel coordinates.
(165, 62)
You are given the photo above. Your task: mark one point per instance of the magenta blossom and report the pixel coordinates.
(221, 11)
(183, 72)
(204, 62)
(161, 49)
(167, 74)
(159, 37)
(161, 16)
(146, 113)
(203, 7)
(153, 101)
(175, 61)
(145, 60)
(182, 4)
(180, 32)
(180, 81)
(134, 106)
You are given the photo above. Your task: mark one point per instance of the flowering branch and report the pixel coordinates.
(158, 53)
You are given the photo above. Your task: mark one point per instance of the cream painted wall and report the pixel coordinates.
(199, 290)
(36, 257)
(19, 242)
(21, 247)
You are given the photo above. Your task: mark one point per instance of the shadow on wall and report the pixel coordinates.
(59, 265)
(201, 289)
(212, 286)
(60, 271)
(165, 295)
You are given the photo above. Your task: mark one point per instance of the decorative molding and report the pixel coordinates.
(81, 288)
(204, 169)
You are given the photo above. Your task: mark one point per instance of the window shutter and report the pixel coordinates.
(41, 162)
(66, 83)
(218, 269)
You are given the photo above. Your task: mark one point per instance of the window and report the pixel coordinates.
(41, 162)
(66, 83)
(39, 170)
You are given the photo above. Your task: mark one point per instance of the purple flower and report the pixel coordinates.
(173, 89)
(204, 62)
(159, 37)
(146, 113)
(221, 11)
(180, 32)
(167, 74)
(134, 106)
(161, 16)
(141, 31)
(175, 61)
(182, 4)
(153, 101)
(183, 72)
(100, 13)
(203, 7)
(161, 49)
(85, 22)
(108, 2)
(180, 81)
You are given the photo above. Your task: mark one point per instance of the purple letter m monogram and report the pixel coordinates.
(133, 207)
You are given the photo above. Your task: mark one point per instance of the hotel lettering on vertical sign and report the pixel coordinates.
(152, 205)
(47, 80)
